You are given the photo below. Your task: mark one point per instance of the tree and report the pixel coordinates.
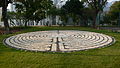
(97, 6)
(87, 16)
(114, 11)
(74, 8)
(4, 4)
(33, 9)
(52, 13)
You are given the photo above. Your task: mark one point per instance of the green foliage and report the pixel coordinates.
(97, 5)
(72, 8)
(33, 9)
(115, 10)
(54, 11)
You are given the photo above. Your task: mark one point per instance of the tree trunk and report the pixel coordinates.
(94, 22)
(4, 14)
(94, 19)
(26, 23)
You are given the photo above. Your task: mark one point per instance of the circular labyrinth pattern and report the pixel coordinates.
(59, 41)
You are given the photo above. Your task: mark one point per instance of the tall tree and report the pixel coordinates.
(74, 8)
(33, 9)
(4, 4)
(97, 6)
(115, 10)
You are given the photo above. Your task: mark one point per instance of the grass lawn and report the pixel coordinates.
(108, 57)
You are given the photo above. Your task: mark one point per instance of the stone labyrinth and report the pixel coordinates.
(59, 41)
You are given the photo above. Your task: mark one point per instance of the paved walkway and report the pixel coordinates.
(113, 29)
(59, 41)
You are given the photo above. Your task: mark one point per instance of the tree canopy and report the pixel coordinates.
(33, 9)
(115, 10)
(72, 8)
(97, 6)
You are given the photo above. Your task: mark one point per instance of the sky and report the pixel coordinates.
(112, 0)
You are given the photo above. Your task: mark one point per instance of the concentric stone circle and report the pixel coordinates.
(59, 41)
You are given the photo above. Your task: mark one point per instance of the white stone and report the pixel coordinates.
(66, 40)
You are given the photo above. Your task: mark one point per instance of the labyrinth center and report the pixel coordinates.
(59, 41)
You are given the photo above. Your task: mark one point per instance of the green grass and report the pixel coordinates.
(108, 57)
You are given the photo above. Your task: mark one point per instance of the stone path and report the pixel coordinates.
(59, 41)
(113, 29)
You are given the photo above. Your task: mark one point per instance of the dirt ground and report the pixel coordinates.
(3, 31)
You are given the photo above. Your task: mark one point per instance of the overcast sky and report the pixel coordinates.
(113, 0)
